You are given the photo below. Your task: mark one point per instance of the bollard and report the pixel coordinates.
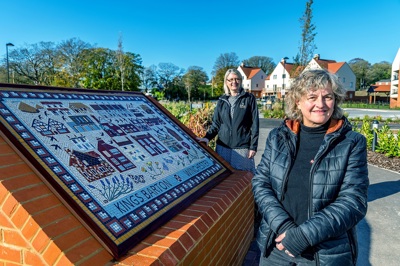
(375, 125)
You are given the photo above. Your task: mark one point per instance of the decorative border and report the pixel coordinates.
(119, 160)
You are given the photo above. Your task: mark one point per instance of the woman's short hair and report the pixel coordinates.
(312, 80)
(232, 71)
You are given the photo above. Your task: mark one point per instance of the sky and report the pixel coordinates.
(195, 33)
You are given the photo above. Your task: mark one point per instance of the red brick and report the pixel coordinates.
(184, 219)
(5, 149)
(29, 229)
(10, 254)
(31, 193)
(201, 226)
(71, 238)
(80, 250)
(207, 220)
(51, 214)
(138, 260)
(26, 180)
(51, 253)
(33, 258)
(168, 258)
(159, 241)
(194, 233)
(100, 258)
(59, 227)
(177, 225)
(10, 204)
(152, 251)
(64, 261)
(40, 241)
(39, 204)
(9, 159)
(15, 170)
(168, 232)
(20, 217)
(13, 237)
(5, 221)
(3, 192)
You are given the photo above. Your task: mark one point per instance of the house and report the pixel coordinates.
(279, 78)
(341, 69)
(394, 86)
(375, 91)
(253, 79)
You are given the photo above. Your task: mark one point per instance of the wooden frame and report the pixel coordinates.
(118, 160)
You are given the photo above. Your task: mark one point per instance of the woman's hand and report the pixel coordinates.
(251, 154)
(280, 246)
(204, 140)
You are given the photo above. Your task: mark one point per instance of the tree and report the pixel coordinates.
(307, 45)
(222, 64)
(193, 79)
(360, 68)
(120, 61)
(265, 63)
(132, 69)
(169, 78)
(219, 81)
(379, 71)
(101, 71)
(70, 62)
(226, 60)
(149, 77)
(34, 64)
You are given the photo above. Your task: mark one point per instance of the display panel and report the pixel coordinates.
(118, 160)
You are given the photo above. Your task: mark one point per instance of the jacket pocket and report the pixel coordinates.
(266, 240)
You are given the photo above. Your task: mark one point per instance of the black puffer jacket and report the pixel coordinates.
(338, 197)
(241, 131)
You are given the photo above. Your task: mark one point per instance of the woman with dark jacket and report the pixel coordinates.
(236, 123)
(312, 180)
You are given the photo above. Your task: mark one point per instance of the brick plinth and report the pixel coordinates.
(37, 229)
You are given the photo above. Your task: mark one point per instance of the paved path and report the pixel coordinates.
(379, 231)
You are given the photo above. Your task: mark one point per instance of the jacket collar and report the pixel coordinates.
(294, 125)
(241, 93)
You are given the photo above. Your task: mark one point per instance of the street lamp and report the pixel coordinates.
(283, 82)
(8, 67)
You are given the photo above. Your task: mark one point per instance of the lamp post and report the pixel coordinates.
(8, 67)
(283, 82)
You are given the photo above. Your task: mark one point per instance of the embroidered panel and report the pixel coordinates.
(119, 160)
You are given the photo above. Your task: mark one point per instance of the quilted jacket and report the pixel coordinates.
(338, 197)
(241, 131)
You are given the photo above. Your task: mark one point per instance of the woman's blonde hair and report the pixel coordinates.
(232, 71)
(312, 80)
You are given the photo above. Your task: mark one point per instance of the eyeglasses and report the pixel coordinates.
(232, 80)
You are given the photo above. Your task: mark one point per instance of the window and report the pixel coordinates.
(351, 84)
(257, 85)
(344, 80)
(275, 76)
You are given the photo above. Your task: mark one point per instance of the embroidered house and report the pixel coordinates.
(115, 156)
(90, 165)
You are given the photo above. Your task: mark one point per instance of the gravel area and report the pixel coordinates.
(380, 160)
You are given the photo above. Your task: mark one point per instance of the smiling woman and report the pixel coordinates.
(311, 183)
(236, 123)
